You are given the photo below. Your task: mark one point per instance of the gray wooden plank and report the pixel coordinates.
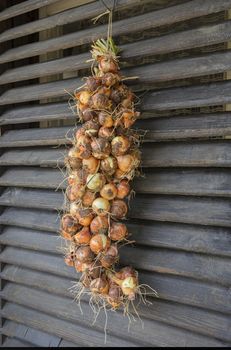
(189, 96)
(68, 330)
(187, 39)
(198, 266)
(182, 68)
(67, 344)
(23, 7)
(216, 326)
(170, 288)
(171, 154)
(79, 13)
(16, 343)
(32, 335)
(31, 239)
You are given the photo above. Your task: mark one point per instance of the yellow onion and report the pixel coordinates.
(83, 236)
(75, 191)
(114, 296)
(93, 83)
(73, 163)
(83, 97)
(129, 287)
(108, 165)
(109, 191)
(101, 206)
(69, 261)
(80, 135)
(99, 285)
(105, 119)
(88, 114)
(100, 101)
(118, 231)
(123, 189)
(100, 148)
(109, 79)
(99, 224)
(120, 145)
(90, 165)
(115, 96)
(119, 174)
(107, 133)
(84, 254)
(99, 243)
(74, 208)
(84, 216)
(70, 224)
(119, 208)
(126, 162)
(129, 117)
(107, 64)
(88, 198)
(110, 257)
(95, 182)
(91, 128)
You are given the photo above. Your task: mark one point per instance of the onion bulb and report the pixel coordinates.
(107, 64)
(99, 285)
(107, 133)
(109, 79)
(83, 97)
(123, 189)
(119, 208)
(109, 191)
(118, 231)
(114, 296)
(101, 206)
(93, 83)
(105, 119)
(90, 165)
(95, 182)
(83, 236)
(100, 101)
(84, 216)
(120, 145)
(110, 257)
(126, 162)
(88, 198)
(88, 114)
(69, 224)
(99, 243)
(99, 224)
(75, 191)
(91, 128)
(129, 287)
(108, 165)
(84, 254)
(100, 148)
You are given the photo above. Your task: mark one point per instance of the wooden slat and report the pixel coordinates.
(74, 332)
(31, 239)
(24, 7)
(32, 335)
(74, 14)
(16, 343)
(161, 335)
(189, 96)
(38, 113)
(210, 323)
(171, 288)
(152, 73)
(203, 36)
(197, 266)
(172, 154)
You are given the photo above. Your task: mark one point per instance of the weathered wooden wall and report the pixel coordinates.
(180, 217)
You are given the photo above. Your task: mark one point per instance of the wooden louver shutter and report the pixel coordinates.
(180, 217)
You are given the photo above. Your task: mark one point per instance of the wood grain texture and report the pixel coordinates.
(152, 73)
(187, 39)
(210, 324)
(32, 335)
(14, 311)
(24, 7)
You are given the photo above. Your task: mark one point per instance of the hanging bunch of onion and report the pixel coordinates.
(103, 159)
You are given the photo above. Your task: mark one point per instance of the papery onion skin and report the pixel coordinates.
(84, 254)
(84, 216)
(108, 165)
(118, 231)
(70, 224)
(119, 208)
(101, 206)
(109, 191)
(83, 236)
(120, 145)
(88, 198)
(123, 189)
(99, 285)
(95, 182)
(99, 243)
(99, 224)
(100, 148)
(90, 165)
